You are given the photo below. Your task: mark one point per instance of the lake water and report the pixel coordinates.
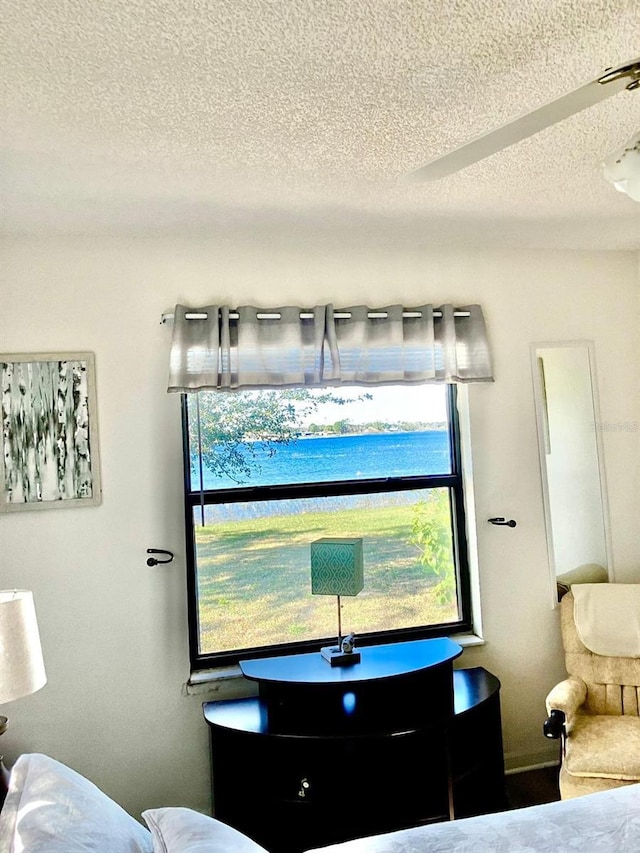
(347, 457)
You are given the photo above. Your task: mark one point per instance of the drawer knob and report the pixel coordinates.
(304, 788)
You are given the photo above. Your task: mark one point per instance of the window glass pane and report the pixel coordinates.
(253, 567)
(267, 438)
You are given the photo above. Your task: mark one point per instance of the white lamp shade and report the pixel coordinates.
(21, 664)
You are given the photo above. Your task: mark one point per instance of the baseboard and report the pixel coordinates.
(520, 762)
(541, 766)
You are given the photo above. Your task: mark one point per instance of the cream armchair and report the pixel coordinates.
(596, 709)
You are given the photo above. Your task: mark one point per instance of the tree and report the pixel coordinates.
(236, 427)
(431, 533)
(338, 427)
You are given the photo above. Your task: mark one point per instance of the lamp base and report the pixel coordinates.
(336, 657)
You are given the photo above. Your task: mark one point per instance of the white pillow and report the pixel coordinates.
(180, 830)
(52, 809)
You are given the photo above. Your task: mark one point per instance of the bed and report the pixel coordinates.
(50, 809)
(606, 822)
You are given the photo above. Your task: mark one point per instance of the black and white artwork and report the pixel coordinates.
(50, 454)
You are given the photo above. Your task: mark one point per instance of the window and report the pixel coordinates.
(268, 472)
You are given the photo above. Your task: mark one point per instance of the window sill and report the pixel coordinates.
(201, 676)
(465, 640)
(228, 680)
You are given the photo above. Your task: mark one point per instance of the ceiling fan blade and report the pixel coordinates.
(613, 81)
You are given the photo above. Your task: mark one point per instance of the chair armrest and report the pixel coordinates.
(553, 726)
(567, 696)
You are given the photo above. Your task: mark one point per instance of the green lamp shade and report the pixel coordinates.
(336, 566)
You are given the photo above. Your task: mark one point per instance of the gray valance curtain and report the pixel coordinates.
(217, 347)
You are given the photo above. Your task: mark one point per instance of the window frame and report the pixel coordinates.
(454, 482)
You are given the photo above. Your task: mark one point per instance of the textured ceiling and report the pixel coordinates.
(300, 117)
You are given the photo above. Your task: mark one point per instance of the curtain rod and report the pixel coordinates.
(339, 315)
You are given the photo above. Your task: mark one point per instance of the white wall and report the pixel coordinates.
(114, 631)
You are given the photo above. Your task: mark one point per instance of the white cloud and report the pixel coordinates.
(391, 403)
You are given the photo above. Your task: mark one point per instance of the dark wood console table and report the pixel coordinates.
(325, 753)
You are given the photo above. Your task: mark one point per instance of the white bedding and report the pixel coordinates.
(606, 822)
(52, 808)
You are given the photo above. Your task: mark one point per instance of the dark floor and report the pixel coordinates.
(532, 787)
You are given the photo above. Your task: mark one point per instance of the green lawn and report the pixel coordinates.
(255, 588)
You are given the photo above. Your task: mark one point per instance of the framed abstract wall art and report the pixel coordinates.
(50, 455)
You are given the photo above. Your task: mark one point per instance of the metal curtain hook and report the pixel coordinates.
(152, 560)
(502, 522)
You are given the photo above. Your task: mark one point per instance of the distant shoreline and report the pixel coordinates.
(365, 432)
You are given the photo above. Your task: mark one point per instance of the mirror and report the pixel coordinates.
(571, 462)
